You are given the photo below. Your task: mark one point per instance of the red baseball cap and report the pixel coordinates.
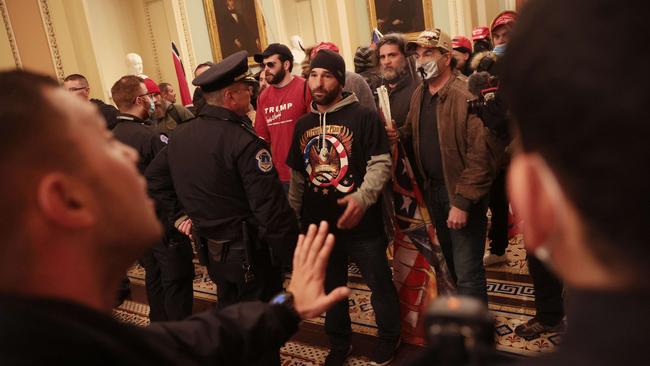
(479, 33)
(324, 46)
(461, 43)
(505, 17)
(151, 85)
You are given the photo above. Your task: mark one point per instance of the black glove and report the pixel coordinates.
(495, 117)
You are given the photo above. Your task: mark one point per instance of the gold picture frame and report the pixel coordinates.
(418, 16)
(222, 28)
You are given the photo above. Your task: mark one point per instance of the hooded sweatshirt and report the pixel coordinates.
(343, 151)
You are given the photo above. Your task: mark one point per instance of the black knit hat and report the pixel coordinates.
(330, 61)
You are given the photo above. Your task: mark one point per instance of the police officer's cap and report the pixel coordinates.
(232, 69)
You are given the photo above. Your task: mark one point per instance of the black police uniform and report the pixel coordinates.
(148, 142)
(225, 179)
(141, 136)
(172, 275)
(109, 112)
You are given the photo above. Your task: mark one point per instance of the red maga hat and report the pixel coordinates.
(324, 46)
(151, 85)
(479, 33)
(461, 43)
(505, 17)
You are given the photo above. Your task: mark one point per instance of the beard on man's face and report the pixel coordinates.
(323, 96)
(277, 77)
(393, 74)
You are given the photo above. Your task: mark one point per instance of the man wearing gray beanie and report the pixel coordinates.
(339, 162)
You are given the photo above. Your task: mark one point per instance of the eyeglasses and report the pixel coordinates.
(269, 64)
(142, 95)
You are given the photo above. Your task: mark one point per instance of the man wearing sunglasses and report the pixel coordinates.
(280, 104)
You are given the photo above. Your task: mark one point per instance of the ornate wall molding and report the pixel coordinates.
(51, 38)
(186, 34)
(10, 34)
(152, 40)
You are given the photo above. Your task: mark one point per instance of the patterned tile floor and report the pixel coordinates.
(511, 301)
(516, 263)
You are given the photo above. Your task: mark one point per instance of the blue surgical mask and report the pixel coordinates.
(152, 106)
(500, 49)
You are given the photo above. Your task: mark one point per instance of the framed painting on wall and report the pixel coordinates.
(235, 25)
(409, 17)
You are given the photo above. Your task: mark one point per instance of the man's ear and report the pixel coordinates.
(286, 65)
(536, 197)
(227, 97)
(448, 61)
(65, 202)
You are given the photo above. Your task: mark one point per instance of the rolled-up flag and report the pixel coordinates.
(376, 36)
(184, 90)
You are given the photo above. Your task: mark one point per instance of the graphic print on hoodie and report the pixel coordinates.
(332, 150)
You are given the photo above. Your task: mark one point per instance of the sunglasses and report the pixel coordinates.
(269, 64)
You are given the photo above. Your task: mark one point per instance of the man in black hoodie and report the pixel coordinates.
(339, 163)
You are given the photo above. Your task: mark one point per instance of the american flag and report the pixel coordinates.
(420, 270)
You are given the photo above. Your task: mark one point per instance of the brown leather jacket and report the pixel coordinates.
(468, 166)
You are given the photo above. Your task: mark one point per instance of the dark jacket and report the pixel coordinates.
(161, 189)
(400, 98)
(175, 114)
(198, 101)
(108, 111)
(141, 136)
(56, 332)
(588, 342)
(223, 175)
(467, 163)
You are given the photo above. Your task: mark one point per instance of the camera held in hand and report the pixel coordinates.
(486, 91)
(489, 105)
(459, 331)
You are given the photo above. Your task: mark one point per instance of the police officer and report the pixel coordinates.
(225, 180)
(168, 265)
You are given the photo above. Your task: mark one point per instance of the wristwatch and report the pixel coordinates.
(285, 299)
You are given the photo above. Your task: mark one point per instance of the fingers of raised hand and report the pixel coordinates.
(307, 243)
(317, 243)
(298, 252)
(324, 302)
(323, 255)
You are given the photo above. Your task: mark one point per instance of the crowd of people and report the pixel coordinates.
(260, 160)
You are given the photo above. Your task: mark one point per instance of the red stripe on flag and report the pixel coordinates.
(184, 90)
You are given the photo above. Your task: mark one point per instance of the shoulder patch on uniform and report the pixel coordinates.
(264, 161)
(164, 138)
